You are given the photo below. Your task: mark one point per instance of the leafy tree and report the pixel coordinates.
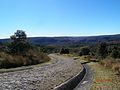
(102, 50)
(19, 36)
(19, 44)
(84, 51)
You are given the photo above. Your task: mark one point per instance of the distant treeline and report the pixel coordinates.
(71, 40)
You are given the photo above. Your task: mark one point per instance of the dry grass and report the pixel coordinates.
(85, 57)
(104, 78)
(112, 64)
(30, 58)
(116, 67)
(89, 58)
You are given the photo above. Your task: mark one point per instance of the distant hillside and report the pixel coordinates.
(75, 40)
(71, 40)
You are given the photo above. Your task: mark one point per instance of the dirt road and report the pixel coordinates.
(44, 77)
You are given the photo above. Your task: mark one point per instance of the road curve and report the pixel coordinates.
(81, 81)
(44, 77)
(86, 82)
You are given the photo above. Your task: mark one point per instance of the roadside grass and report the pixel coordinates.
(31, 57)
(114, 64)
(24, 67)
(104, 78)
(70, 55)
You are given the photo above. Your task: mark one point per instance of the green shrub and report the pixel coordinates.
(84, 51)
(64, 51)
(115, 54)
(102, 50)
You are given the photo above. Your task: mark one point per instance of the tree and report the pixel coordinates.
(64, 51)
(84, 51)
(102, 50)
(19, 43)
(19, 36)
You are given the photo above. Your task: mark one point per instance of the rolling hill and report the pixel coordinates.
(71, 40)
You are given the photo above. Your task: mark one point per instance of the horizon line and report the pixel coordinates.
(68, 36)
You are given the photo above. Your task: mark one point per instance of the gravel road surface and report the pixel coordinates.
(44, 77)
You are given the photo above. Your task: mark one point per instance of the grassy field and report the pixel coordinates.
(104, 78)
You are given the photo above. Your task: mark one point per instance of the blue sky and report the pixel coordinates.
(60, 17)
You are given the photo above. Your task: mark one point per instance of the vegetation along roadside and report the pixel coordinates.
(20, 52)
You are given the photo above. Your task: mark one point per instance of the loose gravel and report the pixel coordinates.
(44, 77)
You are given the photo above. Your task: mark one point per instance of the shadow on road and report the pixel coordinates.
(84, 62)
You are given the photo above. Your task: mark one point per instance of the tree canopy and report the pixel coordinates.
(19, 43)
